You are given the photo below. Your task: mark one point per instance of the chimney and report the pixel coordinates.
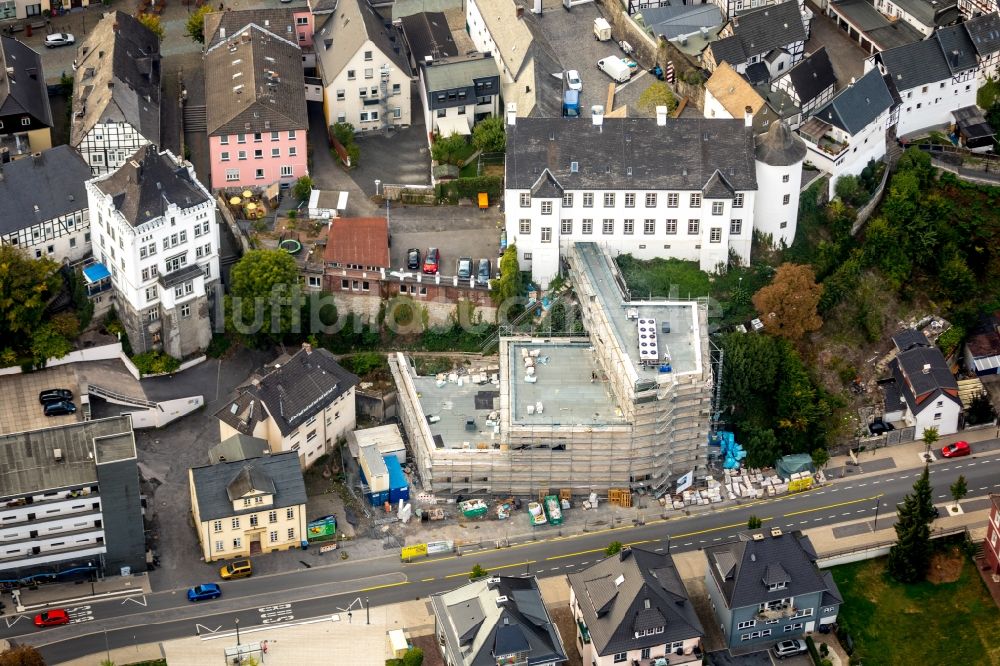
(308, 348)
(519, 11)
(954, 58)
(597, 114)
(927, 368)
(511, 113)
(775, 532)
(222, 33)
(537, 8)
(748, 116)
(661, 116)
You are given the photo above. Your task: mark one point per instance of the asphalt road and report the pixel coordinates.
(343, 587)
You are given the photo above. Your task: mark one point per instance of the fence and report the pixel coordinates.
(102, 353)
(866, 211)
(410, 194)
(240, 234)
(870, 551)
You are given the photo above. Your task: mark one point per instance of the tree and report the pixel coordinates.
(478, 572)
(449, 150)
(788, 304)
(413, 657)
(820, 457)
(910, 556)
(152, 22)
(21, 655)
(263, 295)
(930, 438)
(66, 324)
(26, 287)
(754, 523)
(303, 188)
(613, 548)
(490, 136)
(195, 26)
(959, 489)
(508, 286)
(46, 343)
(849, 189)
(656, 94)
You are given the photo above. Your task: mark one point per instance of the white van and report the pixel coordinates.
(615, 68)
(602, 29)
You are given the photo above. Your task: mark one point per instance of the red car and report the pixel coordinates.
(52, 618)
(432, 261)
(955, 450)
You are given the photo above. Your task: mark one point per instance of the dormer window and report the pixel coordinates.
(776, 586)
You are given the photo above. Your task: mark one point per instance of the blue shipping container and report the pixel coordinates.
(398, 488)
(380, 498)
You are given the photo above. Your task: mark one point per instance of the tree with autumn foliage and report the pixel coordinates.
(788, 305)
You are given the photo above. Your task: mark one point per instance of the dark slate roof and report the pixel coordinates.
(604, 154)
(648, 594)
(718, 187)
(214, 484)
(292, 392)
(428, 34)
(347, 30)
(858, 105)
(238, 447)
(25, 91)
(219, 26)
(779, 146)
(497, 616)
(831, 596)
(148, 183)
(918, 386)
(915, 64)
(812, 75)
(546, 187)
(754, 560)
(266, 93)
(728, 49)
(985, 33)
(909, 338)
(767, 28)
(957, 47)
(39, 188)
(757, 73)
(972, 123)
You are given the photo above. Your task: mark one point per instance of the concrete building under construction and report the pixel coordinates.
(627, 406)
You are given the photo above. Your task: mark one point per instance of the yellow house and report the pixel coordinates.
(303, 404)
(249, 506)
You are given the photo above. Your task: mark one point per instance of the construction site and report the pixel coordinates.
(626, 407)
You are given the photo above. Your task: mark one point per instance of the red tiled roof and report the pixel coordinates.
(363, 241)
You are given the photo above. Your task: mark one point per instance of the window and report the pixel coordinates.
(783, 225)
(258, 174)
(225, 156)
(241, 155)
(224, 141)
(546, 208)
(368, 56)
(369, 73)
(644, 654)
(695, 201)
(937, 416)
(546, 234)
(609, 199)
(253, 519)
(292, 151)
(629, 199)
(236, 523)
(671, 226)
(217, 526)
(286, 171)
(747, 624)
(524, 227)
(232, 174)
(567, 200)
(525, 200)
(237, 543)
(784, 178)
(794, 627)
(273, 536)
(718, 207)
(274, 136)
(341, 94)
(588, 227)
(588, 199)
(185, 310)
(219, 546)
(152, 315)
(290, 514)
(275, 152)
(629, 227)
(241, 138)
(649, 227)
(715, 235)
(272, 516)
(608, 227)
(291, 534)
(776, 586)
(350, 75)
(566, 227)
(786, 199)
(151, 293)
(672, 200)
(693, 227)
(738, 200)
(621, 657)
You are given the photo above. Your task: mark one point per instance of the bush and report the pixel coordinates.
(365, 363)
(219, 345)
(613, 548)
(469, 188)
(155, 363)
(303, 188)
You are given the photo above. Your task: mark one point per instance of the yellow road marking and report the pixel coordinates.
(426, 580)
(716, 529)
(832, 506)
(492, 569)
(382, 587)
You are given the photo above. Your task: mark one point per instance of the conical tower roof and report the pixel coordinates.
(779, 146)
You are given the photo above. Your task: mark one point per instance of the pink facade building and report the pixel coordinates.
(255, 113)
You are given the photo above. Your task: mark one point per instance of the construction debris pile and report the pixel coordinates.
(743, 484)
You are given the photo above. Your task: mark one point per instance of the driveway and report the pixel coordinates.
(847, 57)
(326, 171)
(458, 231)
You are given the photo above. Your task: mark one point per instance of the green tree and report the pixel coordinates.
(508, 286)
(762, 447)
(478, 572)
(930, 438)
(46, 343)
(21, 655)
(413, 657)
(613, 548)
(656, 94)
(343, 133)
(303, 188)
(956, 279)
(449, 150)
(820, 457)
(959, 489)
(26, 287)
(754, 523)
(490, 136)
(66, 324)
(849, 189)
(263, 302)
(195, 26)
(910, 556)
(152, 21)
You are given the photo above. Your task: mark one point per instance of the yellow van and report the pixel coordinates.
(237, 569)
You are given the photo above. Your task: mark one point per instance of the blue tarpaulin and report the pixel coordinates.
(95, 273)
(732, 453)
(399, 489)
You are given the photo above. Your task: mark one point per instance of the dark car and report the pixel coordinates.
(52, 618)
(464, 268)
(202, 592)
(60, 408)
(483, 273)
(432, 261)
(54, 395)
(413, 259)
(956, 450)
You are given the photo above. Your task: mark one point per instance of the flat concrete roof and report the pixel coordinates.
(569, 386)
(452, 406)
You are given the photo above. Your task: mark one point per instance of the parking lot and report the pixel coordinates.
(457, 231)
(19, 408)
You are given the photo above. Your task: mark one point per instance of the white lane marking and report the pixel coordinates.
(555, 568)
(821, 492)
(984, 487)
(846, 514)
(860, 511)
(803, 522)
(689, 543)
(906, 476)
(833, 490)
(862, 485)
(587, 562)
(539, 570)
(658, 549)
(717, 539)
(142, 601)
(939, 496)
(816, 520)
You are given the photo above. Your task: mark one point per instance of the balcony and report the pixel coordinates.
(778, 612)
(584, 631)
(831, 146)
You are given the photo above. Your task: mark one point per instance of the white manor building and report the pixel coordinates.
(154, 229)
(689, 188)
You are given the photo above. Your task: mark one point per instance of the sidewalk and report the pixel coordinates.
(50, 595)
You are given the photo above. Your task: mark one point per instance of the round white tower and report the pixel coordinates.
(779, 157)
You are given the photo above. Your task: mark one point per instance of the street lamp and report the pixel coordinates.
(237, 621)
(377, 183)
(368, 611)
(878, 501)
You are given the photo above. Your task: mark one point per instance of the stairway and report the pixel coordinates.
(195, 118)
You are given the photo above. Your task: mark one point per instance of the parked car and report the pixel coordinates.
(413, 259)
(203, 592)
(60, 408)
(464, 268)
(789, 648)
(237, 569)
(615, 68)
(54, 395)
(52, 618)
(880, 427)
(573, 80)
(432, 261)
(483, 272)
(956, 450)
(59, 39)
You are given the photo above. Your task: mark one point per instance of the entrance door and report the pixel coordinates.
(255, 548)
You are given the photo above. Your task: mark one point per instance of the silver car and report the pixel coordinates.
(789, 648)
(59, 39)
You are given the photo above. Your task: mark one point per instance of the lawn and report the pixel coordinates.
(925, 623)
